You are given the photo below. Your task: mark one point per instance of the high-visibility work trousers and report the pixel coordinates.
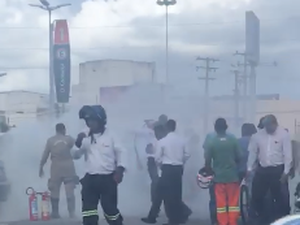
(227, 200)
(103, 188)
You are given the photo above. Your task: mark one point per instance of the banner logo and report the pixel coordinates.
(61, 54)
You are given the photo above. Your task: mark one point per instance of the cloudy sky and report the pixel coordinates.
(134, 29)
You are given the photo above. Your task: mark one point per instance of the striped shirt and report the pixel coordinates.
(270, 150)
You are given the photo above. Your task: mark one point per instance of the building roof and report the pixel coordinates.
(116, 60)
(22, 91)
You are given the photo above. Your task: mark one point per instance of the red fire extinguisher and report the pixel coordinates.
(45, 205)
(33, 204)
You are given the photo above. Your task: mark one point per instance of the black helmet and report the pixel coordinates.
(261, 123)
(205, 178)
(96, 112)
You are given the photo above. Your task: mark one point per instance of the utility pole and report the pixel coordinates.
(237, 95)
(208, 68)
(245, 77)
(45, 5)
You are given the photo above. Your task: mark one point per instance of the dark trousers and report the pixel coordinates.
(267, 179)
(157, 193)
(171, 186)
(153, 174)
(103, 188)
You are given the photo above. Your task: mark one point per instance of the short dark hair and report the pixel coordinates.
(60, 127)
(248, 129)
(220, 125)
(171, 125)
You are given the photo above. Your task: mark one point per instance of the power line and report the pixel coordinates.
(134, 47)
(154, 25)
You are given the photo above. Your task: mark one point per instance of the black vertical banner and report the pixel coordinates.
(62, 61)
(62, 72)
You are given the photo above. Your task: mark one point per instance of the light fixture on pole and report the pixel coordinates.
(167, 3)
(3, 74)
(45, 5)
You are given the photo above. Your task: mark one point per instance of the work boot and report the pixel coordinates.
(71, 207)
(54, 205)
(149, 220)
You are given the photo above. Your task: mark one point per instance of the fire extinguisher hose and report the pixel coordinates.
(29, 191)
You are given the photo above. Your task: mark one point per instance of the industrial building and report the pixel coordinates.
(94, 75)
(19, 105)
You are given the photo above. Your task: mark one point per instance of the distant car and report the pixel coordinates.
(4, 184)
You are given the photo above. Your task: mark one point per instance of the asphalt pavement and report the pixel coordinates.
(127, 221)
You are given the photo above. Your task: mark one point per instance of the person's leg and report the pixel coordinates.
(220, 193)
(173, 193)
(178, 205)
(212, 205)
(260, 187)
(153, 174)
(186, 212)
(69, 189)
(109, 201)
(286, 193)
(269, 209)
(90, 199)
(233, 196)
(54, 185)
(276, 188)
(155, 206)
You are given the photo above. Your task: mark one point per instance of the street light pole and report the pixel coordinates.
(45, 5)
(167, 3)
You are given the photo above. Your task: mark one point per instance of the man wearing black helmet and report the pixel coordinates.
(105, 163)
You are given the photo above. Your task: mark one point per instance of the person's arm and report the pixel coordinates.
(237, 151)
(206, 143)
(71, 142)
(46, 154)
(253, 153)
(121, 154)
(287, 153)
(77, 154)
(159, 152)
(208, 155)
(186, 153)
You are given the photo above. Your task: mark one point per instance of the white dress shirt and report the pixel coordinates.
(270, 149)
(104, 155)
(148, 137)
(172, 150)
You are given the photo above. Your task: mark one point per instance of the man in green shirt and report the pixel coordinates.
(223, 155)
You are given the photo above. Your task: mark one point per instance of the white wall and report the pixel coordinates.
(24, 101)
(20, 105)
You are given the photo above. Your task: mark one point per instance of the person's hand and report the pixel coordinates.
(81, 135)
(41, 173)
(284, 177)
(292, 173)
(79, 139)
(118, 175)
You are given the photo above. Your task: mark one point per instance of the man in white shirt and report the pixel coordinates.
(171, 154)
(271, 149)
(106, 161)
